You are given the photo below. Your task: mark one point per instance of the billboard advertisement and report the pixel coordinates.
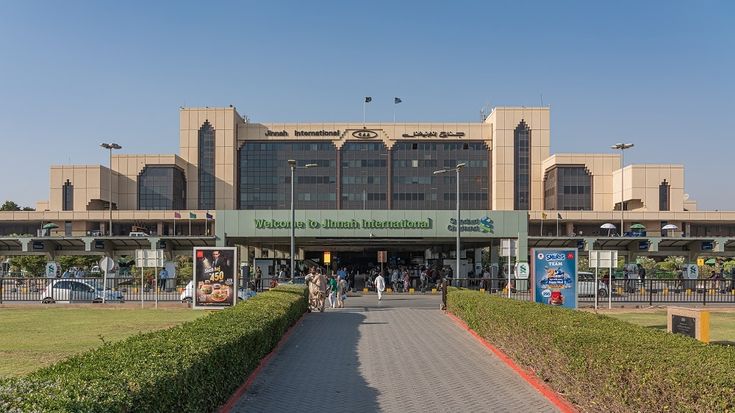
(555, 276)
(215, 277)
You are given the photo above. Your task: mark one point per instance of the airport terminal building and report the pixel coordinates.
(362, 187)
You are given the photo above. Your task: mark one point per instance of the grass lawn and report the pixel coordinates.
(35, 337)
(722, 324)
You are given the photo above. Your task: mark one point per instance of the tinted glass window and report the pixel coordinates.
(161, 187)
(206, 166)
(265, 175)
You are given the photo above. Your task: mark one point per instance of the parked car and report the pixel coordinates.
(586, 285)
(70, 290)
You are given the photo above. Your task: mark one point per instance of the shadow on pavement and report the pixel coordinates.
(317, 369)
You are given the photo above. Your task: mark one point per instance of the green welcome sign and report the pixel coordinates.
(371, 223)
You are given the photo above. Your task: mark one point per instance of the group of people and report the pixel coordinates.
(322, 288)
(403, 278)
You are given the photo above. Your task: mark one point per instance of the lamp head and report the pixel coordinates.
(311, 165)
(292, 163)
(441, 171)
(115, 146)
(622, 146)
(460, 165)
(105, 145)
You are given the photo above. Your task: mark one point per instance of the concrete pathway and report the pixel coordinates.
(400, 355)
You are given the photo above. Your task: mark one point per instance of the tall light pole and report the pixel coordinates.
(292, 165)
(459, 223)
(622, 147)
(110, 146)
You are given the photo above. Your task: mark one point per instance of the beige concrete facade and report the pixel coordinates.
(226, 122)
(497, 131)
(600, 166)
(503, 122)
(641, 186)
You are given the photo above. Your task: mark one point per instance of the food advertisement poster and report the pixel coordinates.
(215, 279)
(555, 276)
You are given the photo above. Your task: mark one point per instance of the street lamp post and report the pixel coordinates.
(459, 224)
(110, 146)
(292, 165)
(622, 147)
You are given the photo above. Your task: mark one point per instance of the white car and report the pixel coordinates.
(70, 290)
(188, 293)
(586, 285)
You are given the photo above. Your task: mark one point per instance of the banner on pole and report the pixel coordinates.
(554, 274)
(215, 277)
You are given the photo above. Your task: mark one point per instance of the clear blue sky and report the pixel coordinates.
(657, 73)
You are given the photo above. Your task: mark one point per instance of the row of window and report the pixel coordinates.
(364, 196)
(364, 180)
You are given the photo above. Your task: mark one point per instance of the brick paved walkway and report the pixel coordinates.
(400, 355)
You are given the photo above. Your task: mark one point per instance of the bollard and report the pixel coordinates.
(666, 291)
(410, 290)
(388, 290)
(689, 291)
(364, 290)
(433, 290)
(482, 290)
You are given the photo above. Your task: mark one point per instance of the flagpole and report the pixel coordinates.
(542, 226)
(364, 103)
(174, 224)
(557, 225)
(189, 223)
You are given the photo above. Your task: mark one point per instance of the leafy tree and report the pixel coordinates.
(12, 206)
(79, 261)
(184, 268)
(33, 265)
(9, 206)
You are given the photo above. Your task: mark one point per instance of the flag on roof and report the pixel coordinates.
(397, 100)
(209, 216)
(192, 215)
(177, 215)
(368, 99)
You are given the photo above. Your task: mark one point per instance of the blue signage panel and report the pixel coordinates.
(555, 276)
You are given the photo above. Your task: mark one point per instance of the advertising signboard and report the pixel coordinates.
(215, 277)
(554, 274)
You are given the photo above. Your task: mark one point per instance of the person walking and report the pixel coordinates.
(332, 285)
(258, 278)
(380, 285)
(341, 292)
(406, 281)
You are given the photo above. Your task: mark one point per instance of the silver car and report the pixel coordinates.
(71, 290)
(586, 285)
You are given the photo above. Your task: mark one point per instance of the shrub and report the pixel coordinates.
(193, 367)
(600, 363)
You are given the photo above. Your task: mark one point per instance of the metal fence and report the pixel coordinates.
(86, 290)
(651, 291)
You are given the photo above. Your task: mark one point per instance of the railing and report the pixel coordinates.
(651, 291)
(82, 290)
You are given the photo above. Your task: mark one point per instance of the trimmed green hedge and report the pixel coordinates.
(193, 367)
(600, 363)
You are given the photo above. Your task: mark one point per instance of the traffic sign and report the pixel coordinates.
(149, 258)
